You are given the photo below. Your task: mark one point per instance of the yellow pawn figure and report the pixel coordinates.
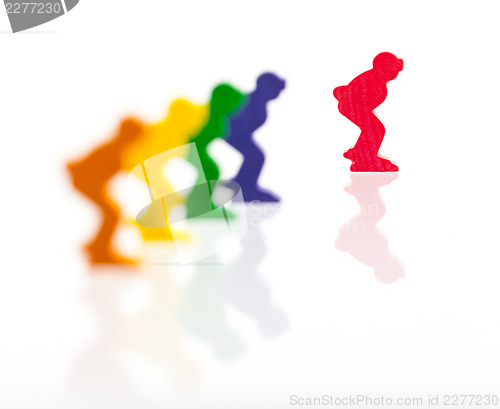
(147, 157)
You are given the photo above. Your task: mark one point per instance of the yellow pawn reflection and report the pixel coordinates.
(182, 121)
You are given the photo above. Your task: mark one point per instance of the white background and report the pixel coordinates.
(67, 336)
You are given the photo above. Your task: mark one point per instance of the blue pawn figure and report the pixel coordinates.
(242, 126)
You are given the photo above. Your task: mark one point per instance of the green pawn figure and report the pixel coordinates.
(225, 102)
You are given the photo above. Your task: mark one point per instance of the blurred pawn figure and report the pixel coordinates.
(243, 125)
(357, 102)
(91, 176)
(225, 101)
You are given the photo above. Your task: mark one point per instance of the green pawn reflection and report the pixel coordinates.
(225, 101)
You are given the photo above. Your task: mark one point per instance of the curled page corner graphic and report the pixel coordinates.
(217, 206)
(25, 15)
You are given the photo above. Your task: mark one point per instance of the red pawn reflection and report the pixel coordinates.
(357, 102)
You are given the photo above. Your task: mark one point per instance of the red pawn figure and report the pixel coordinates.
(357, 102)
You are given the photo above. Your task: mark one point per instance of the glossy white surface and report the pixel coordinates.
(284, 312)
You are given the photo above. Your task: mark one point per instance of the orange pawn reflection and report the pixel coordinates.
(91, 176)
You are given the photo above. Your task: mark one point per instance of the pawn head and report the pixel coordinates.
(181, 109)
(389, 269)
(130, 129)
(389, 64)
(225, 99)
(183, 115)
(270, 85)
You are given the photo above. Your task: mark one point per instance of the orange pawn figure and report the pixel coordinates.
(91, 176)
